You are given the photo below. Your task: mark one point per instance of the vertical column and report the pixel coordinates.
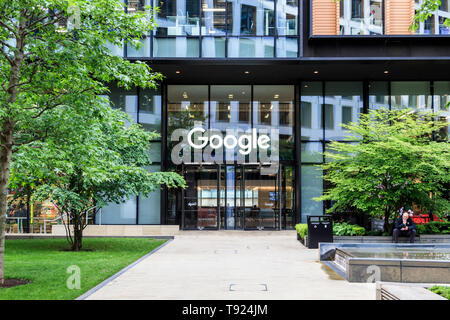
(325, 14)
(399, 15)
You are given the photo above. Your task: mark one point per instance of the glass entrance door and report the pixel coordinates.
(237, 197)
(201, 198)
(260, 202)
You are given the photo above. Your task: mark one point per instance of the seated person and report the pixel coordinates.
(405, 227)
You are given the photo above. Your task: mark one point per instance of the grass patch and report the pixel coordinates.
(441, 290)
(44, 263)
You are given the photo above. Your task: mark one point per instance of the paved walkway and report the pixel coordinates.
(233, 265)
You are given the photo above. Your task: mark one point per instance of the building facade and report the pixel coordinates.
(254, 91)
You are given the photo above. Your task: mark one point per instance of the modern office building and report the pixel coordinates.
(254, 91)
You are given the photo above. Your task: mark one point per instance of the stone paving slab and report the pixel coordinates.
(223, 265)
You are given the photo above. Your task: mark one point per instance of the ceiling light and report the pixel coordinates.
(229, 108)
(230, 96)
(316, 72)
(386, 71)
(276, 96)
(247, 72)
(178, 72)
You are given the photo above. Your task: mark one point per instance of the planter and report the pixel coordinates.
(423, 238)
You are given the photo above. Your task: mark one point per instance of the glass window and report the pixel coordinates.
(310, 110)
(273, 108)
(187, 108)
(149, 208)
(177, 18)
(142, 51)
(410, 94)
(124, 213)
(379, 95)
(343, 104)
(213, 47)
(311, 152)
(363, 17)
(125, 100)
(442, 104)
(261, 47)
(435, 24)
(252, 18)
(287, 47)
(230, 107)
(150, 109)
(287, 17)
(312, 186)
(214, 17)
(176, 47)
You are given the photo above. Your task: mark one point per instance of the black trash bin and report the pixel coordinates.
(320, 229)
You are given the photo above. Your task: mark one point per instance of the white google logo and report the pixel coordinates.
(246, 142)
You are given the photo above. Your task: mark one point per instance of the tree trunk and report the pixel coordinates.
(388, 227)
(77, 233)
(6, 137)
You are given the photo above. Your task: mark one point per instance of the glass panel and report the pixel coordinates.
(150, 109)
(137, 5)
(343, 104)
(261, 198)
(363, 17)
(143, 51)
(187, 108)
(125, 100)
(410, 94)
(213, 47)
(287, 47)
(312, 186)
(287, 17)
(251, 18)
(124, 213)
(273, 108)
(310, 110)
(379, 95)
(155, 152)
(442, 104)
(311, 152)
(176, 47)
(262, 47)
(214, 17)
(177, 18)
(200, 199)
(149, 209)
(435, 24)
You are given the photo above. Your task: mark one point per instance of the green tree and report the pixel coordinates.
(48, 65)
(104, 162)
(395, 163)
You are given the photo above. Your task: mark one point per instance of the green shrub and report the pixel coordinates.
(441, 290)
(302, 229)
(434, 227)
(346, 229)
(374, 233)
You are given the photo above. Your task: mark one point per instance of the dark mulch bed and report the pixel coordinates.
(9, 283)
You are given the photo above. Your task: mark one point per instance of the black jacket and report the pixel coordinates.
(409, 223)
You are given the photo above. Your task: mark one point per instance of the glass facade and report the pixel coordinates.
(144, 106)
(219, 29)
(246, 174)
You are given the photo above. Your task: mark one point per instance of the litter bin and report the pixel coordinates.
(320, 229)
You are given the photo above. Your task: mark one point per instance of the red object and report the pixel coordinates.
(424, 218)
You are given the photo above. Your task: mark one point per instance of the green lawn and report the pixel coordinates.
(443, 291)
(45, 263)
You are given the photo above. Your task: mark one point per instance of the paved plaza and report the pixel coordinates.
(233, 265)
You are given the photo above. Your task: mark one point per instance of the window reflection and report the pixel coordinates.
(176, 18)
(435, 24)
(410, 94)
(361, 17)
